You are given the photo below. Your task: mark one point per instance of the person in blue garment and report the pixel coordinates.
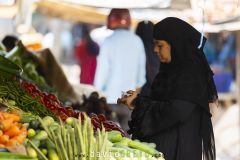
(176, 116)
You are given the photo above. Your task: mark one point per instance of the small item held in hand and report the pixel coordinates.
(126, 94)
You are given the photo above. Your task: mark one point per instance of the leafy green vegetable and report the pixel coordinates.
(11, 90)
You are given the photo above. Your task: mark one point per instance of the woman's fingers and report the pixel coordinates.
(130, 92)
(122, 100)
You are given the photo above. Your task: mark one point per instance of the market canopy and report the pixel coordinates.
(71, 12)
(8, 9)
(121, 3)
(218, 14)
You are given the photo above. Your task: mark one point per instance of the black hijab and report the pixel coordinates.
(145, 31)
(188, 76)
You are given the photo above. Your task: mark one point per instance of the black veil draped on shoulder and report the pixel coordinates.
(188, 76)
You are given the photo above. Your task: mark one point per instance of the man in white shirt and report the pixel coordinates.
(121, 62)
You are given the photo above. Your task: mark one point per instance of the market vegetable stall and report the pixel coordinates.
(39, 123)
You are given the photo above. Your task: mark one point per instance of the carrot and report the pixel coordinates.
(12, 142)
(6, 124)
(1, 116)
(1, 132)
(24, 130)
(12, 131)
(15, 118)
(4, 139)
(6, 115)
(2, 146)
(20, 138)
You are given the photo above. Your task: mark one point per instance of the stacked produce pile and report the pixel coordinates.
(29, 98)
(48, 130)
(26, 60)
(132, 149)
(75, 139)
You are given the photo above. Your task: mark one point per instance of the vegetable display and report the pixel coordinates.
(40, 124)
(10, 90)
(75, 139)
(51, 102)
(8, 68)
(133, 148)
(20, 56)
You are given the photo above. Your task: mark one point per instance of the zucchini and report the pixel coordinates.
(31, 152)
(52, 155)
(143, 147)
(114, 136)
(42, 135)
(124, 141)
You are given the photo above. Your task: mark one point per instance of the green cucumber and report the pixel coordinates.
(153, 145)
(114, 136)
(31, 152)
(124, 141)
(52, 155)
(42, 135)
(144, 147)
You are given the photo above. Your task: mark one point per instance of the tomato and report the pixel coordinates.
(70, 111)
(52, 97)
(46, 102)
(43, 94)
(101, 117)
(92, 115)
(62, 115)
(51, 107)
(96, 124)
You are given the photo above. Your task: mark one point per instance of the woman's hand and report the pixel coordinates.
(128, 98)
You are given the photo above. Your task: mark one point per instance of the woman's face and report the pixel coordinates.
(163, 50)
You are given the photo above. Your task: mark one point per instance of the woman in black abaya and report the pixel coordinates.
(176, 115)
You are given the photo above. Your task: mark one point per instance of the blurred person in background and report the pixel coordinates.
(210, 51)
(86, 54)
(145, 31)
(227, 54)
(121, 62)
(9, 42)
